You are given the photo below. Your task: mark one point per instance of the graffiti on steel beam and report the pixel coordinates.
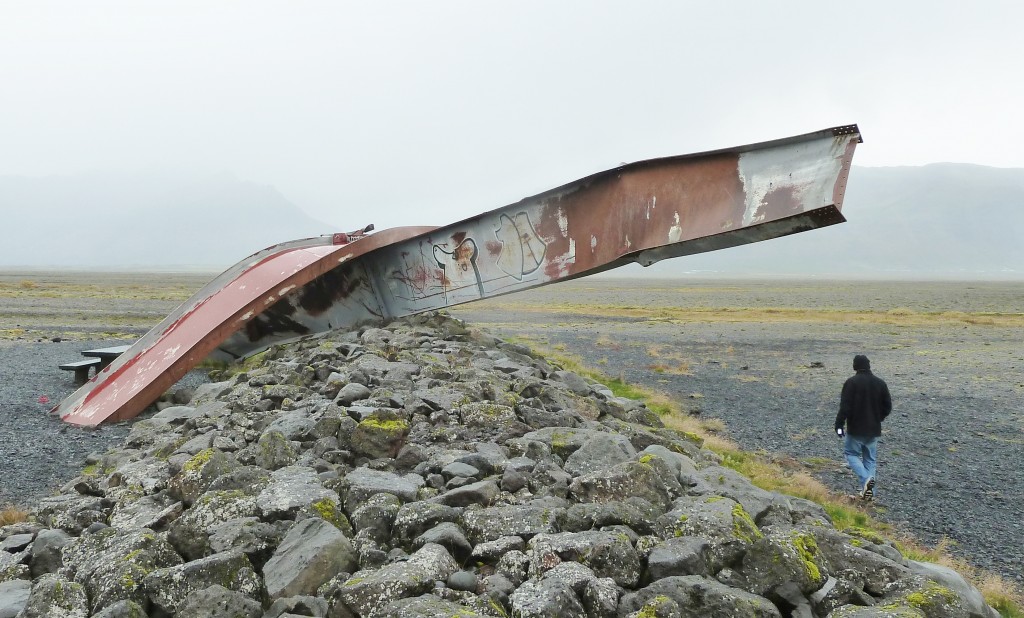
(522, 248)
(459, 265)
(414, 275)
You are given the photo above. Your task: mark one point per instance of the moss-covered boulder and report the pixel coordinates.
(56, 597)
(381, 434)
(784, 556)
(273, 451)
(607, 554)
(199, 472)
(649, 478)
(168, 588)
(367, 591)
(112, 563)
(697, 596)
(725, 524)
(189, 534)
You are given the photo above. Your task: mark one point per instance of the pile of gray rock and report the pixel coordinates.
(423, 470)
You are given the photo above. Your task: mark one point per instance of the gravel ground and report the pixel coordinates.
(39, 452)
(950, 459)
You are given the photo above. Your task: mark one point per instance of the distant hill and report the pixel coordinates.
(143, 221)
(937, 221)
(945, 220)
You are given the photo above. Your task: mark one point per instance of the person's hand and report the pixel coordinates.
(839, 431)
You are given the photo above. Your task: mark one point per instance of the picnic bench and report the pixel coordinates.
(81, 368)
(106, 355)
(98, 358)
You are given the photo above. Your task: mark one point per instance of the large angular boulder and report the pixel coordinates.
(189, 534)
(698, 596)
(426, 606)
(55, 597)
(310, 555)
(601, 451)
(733, 485)
(651, 479)
(14, 595)
(292, 489)
(71, 513)
(47, 549)
(684, 555)
(636, 513)
(968, 596)
(364, 482)
(199, 472)
(380, 434)
(415, 518)
(607, 554)
(486, 414)
(368, 591)
(783, 556)
(168, 588)
(218, 602)
(112, 564)
(481, 492)
(255, 538)
(153, 512)
(273, 451)
(489, 524)
(550, 598)
(724, 523)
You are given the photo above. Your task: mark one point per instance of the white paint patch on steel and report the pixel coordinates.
(563, 223)
(805, 169)
(285, 290)
(675, 232)
(593, 243)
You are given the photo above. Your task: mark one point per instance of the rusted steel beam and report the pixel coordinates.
(641, 212)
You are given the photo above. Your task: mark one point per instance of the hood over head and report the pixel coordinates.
(861, 363)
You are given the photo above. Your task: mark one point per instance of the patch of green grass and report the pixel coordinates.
(898, 317)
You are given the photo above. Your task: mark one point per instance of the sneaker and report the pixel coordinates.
(868, 493)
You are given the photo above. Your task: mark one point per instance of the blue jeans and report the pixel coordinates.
(860, 455)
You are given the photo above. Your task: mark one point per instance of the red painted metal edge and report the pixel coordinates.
(184, 339)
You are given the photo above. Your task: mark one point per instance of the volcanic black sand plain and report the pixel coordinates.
(767, 358)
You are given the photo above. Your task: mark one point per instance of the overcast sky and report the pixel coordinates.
(407, 113)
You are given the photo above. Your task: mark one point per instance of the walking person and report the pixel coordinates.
(864, 404)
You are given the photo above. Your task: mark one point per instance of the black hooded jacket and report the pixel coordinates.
(865, 402)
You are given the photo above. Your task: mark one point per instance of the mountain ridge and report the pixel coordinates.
(941, 220)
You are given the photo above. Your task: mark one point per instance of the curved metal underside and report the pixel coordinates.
(642, 212)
